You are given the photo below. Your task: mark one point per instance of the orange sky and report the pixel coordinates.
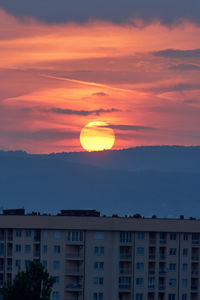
(57, 78)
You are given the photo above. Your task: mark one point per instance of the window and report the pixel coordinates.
(55, 295)
(56, 264)
(18, 233)
(172, 297)
(99, 265)
(57, 249)
(99, 235)
(173, 236)
(140, 251)
(27, 248)
(163, 237)
(140, 266)
(98, 296)
(172, 251)
(18, 263)
(28, 233)
(139, 296)
(151, 282)
(172, 282)
(18, 248)
(185, 252)
(139, 281)
(185, 267)
(45, 249)
(56, 279)
(172, 267)
(195, 238)
(184, 297)
(185, 282)
(98, 280)
(57, 234)
(124, 282)
(125, 237)
(185, 236)
(44, 263)
(45, 234)
(27, 263)
(140, 235)
(99, 250)
(75, 236)
(1, 249)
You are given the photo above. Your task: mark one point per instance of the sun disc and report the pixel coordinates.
(97, 136)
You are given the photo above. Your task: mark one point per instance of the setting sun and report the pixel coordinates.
(97, 136)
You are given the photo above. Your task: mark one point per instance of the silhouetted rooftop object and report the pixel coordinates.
(80, 212)
(14, 212)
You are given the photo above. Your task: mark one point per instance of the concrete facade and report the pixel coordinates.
(104, 258)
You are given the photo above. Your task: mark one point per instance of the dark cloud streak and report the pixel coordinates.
(83, 113)
(176, 53)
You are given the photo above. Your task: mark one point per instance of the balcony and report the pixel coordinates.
(161, 287)
(195, 273)
(124, 287)
(195, 257)
(74, 287)
(74, 256)
(74, 272)
(152, 256)
(152, 272)
(125, 256)
(162, 257)
(9, 267)
(151, 286)
(125, 271)
(152, 241)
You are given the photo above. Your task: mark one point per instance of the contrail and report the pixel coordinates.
(85, 82)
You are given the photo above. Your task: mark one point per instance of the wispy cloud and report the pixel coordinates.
(176, 53)
(101, 94)
(125, 127)
(96, 112)
(185, 67)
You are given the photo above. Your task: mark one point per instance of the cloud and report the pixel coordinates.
(40, 135)
(101, 94)
(97, 112)
(179, 87)
(113, 10)
(176, 53)
(124, 127)
(185, 67)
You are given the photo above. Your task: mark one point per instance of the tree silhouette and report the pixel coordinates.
(33, 284)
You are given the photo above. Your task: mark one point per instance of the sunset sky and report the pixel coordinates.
(63, 65)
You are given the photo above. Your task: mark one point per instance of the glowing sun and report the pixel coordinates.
(97, 136)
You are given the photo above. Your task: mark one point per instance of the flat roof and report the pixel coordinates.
(99, 223)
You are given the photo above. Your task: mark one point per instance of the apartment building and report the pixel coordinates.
(105, 258)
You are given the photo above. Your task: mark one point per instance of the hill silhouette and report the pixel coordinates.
(147, 180)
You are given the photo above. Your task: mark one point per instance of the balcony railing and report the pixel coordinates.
(124, 287)
(74, 255)
(161, 287)
(74, 271)
(195, 257)
(74, 286)
(125, 256)
(125, 271)
(152, 272)
(195, 272)
(152, 256)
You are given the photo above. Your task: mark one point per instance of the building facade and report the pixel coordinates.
(105, 258)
